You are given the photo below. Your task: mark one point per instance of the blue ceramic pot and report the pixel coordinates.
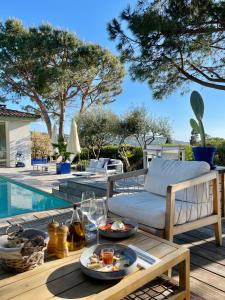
(63, 168)
(205, 154)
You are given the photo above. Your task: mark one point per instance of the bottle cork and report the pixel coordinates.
(52, 227)
(61, 250)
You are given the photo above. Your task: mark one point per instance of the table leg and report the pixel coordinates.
(184, 275)
(222, 195)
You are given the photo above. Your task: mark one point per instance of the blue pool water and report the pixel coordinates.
(16, 199)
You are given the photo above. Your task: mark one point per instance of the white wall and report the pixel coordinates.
(18, 139)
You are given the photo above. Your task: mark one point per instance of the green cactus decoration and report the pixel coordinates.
(197, 105)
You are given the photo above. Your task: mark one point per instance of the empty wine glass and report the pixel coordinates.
(86, 199)
(98, 214)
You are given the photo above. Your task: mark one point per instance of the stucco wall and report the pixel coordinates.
(19, 139)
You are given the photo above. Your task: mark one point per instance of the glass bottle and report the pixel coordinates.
(76, 234)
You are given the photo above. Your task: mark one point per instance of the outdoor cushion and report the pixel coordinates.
(106, 161)
(93, 163)
(112, 162)
(100, 163)
(162, 173)
(150, 209)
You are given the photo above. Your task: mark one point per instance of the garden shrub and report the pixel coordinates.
(135, 153)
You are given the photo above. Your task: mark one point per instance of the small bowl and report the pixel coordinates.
(84, 259)
(119, 234)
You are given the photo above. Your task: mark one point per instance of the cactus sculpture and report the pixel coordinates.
(197, 105)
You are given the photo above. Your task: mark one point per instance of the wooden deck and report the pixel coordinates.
(207, 260)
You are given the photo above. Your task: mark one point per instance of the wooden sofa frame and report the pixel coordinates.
(171, 229)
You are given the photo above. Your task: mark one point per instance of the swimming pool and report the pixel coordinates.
(17, 198)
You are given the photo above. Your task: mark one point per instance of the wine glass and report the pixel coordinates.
(86, 199)
(98, 214)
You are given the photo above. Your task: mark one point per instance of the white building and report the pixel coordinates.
(15, 136)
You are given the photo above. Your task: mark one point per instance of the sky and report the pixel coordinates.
(88, 19)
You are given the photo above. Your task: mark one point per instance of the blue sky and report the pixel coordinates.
(88, 19)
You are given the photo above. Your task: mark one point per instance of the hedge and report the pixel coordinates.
(135, 154)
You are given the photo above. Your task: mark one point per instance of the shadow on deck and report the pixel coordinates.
(207, 260)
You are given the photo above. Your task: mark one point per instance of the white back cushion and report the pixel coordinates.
(100, 163)
(93, 163)
(162, 173)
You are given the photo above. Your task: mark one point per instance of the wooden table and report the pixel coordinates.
(62, 278)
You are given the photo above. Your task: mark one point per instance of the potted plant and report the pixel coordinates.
(63, 167)
(203, 152)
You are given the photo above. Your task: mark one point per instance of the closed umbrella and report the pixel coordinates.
(55, 138)
(73, 144)
(54, 135)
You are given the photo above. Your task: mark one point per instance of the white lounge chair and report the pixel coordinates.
(177, 196)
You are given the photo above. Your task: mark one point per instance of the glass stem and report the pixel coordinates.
(98, 236)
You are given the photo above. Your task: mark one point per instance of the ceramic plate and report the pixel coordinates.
(122, 250)
(119, 234)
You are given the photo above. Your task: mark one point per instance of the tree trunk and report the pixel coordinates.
(44, 113)
(61, 118)
(93, 152)
(124, 157)
(98, 152)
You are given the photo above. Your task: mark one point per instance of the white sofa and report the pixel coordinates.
(176, 194)
(105, 165)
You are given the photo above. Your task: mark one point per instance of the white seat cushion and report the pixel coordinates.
(150, 209)
(162, 173)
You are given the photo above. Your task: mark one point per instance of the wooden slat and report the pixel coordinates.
(47, 266)
(123, 287)
(195, 224)
(192, 182)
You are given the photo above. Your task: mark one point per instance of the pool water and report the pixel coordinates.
(17, 199)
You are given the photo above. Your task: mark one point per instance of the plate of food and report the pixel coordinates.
(108, 261)
(118, 228)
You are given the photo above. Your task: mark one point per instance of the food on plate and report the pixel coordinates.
(117, 225)
(120, 261)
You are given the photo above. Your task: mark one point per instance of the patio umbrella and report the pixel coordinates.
(73, 144)
(55, 138)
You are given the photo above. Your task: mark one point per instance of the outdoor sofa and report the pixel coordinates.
(105, 166)
(176, 196)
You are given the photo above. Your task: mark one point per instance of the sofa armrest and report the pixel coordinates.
(170, 198)
(172, 188)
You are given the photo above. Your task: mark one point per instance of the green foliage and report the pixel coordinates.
(188, 152)
(81, 164)
(62, 149)
(144, 127)
(97, 128)
(54, 68)
(197, 105)
(170, 43)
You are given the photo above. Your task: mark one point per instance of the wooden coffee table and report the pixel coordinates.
(62, 278)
